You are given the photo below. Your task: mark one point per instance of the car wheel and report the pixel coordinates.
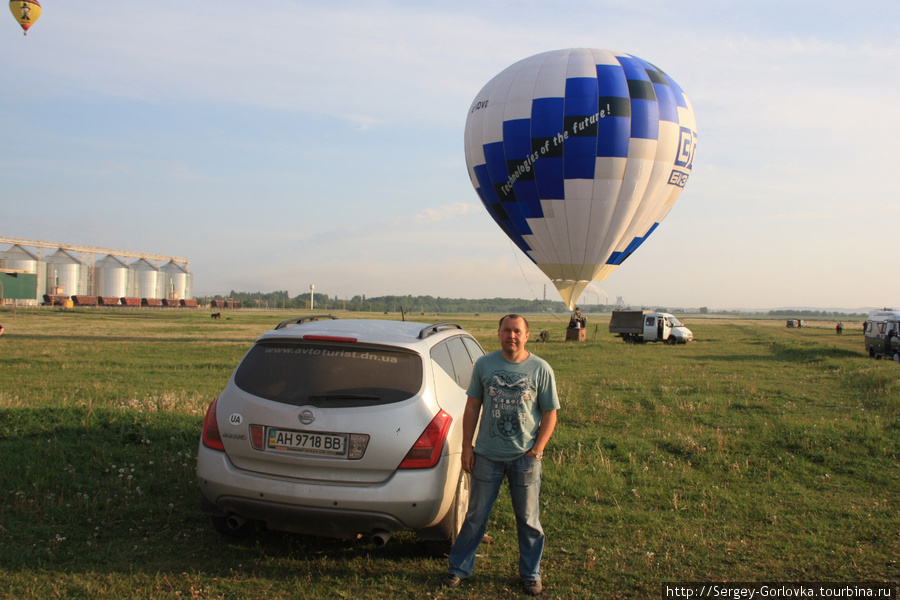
(671, 340)
(460, 505)
(448, 529)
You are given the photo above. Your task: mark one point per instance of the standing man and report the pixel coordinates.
(513, 393)
(577, 321)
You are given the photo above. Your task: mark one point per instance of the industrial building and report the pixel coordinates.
(37, 272)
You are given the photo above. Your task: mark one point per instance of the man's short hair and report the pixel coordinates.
(513, 316)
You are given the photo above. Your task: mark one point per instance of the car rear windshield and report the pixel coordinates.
(329, 374)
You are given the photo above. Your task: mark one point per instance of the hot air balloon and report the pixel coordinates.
(578, 155)
(26, 12)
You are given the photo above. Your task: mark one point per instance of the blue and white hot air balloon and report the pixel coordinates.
(578, 155)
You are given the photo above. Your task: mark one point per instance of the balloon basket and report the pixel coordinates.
(576, 334)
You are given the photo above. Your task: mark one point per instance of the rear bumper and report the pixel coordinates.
(412, 499)
(344, 524)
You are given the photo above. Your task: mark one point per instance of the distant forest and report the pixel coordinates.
(393, 304)
(429, 304)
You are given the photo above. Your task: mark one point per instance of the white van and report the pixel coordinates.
(882, 333)
(636, 326)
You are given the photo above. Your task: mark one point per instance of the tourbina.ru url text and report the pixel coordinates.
(749, 591)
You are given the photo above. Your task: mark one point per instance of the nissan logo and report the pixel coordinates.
(307, 417)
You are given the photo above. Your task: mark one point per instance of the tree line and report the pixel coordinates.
(281, 299)
(816, 313)
(392, 304)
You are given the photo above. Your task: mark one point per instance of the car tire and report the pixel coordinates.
(460, 506)
(448, 529)
(671, 340)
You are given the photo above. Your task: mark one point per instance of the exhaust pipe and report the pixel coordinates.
(235, 522)
(380, 538)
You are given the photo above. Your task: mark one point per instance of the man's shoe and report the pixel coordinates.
(451, 580)
(533, 587)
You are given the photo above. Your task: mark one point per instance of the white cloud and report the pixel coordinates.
(443, 213)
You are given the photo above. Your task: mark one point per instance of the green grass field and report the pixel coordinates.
(756, 453)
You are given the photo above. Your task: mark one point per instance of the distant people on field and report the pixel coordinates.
(1, 329)
(839, 328)
(578, 321)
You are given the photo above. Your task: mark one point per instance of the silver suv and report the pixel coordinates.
(342, 428)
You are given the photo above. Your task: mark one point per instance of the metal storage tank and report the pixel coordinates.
(66, 272)
(18, 258)
(111, 277)
(146, 279)
(188, 285)
(177, 281)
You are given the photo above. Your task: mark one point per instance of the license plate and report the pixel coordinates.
(306, 442)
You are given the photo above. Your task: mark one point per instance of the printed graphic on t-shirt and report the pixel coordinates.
(509, 393)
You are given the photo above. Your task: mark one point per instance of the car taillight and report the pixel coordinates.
(211, 437)
(426, 452)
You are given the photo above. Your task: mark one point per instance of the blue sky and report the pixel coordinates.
(294, 143)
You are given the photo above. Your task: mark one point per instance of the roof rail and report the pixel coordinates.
(304, 319)
(432, 329)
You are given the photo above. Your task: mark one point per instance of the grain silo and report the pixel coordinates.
(66, 275)
(19, 259)
(62, 274)
(146, 279)
(111, 277)
(177, 281)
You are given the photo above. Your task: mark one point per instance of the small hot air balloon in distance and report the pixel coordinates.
(26, 12)
(578, 155)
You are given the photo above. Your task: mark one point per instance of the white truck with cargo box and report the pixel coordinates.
(636, 326)
(882, 333)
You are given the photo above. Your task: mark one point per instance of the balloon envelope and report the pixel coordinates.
(26, 12)
(578, 155)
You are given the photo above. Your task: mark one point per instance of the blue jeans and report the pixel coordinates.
(524, 475)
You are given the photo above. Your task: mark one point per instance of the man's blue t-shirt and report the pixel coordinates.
(513, 396)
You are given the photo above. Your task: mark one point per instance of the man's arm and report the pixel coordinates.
(545, 430)
(470, 422)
